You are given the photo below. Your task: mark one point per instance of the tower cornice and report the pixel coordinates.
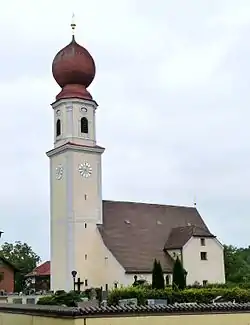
(74, 147)
(74, 100)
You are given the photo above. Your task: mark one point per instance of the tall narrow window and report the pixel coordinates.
(84, 125)
(58, 127)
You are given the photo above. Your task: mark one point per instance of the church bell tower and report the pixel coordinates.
(75, 168)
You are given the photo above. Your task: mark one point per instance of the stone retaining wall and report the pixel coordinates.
(205, 314)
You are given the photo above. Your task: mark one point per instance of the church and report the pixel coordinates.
(108, 243)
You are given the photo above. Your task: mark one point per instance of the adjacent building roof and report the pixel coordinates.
(136, 233)
(179, 236)
(40, 270)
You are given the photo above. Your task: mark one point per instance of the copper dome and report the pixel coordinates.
(73, 69)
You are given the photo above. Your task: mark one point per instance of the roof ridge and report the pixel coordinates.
(155, 204)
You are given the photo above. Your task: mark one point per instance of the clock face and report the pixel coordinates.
(59, 172)
(85, 169)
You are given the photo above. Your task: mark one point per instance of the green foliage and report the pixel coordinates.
(23, 258)
(227, 285)
(202, 295)
(179, 276)
(157, 276)
(237, 264)
(60, 298)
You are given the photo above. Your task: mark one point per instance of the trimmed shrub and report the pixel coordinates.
(60, 298)
(221, 285)
(202, 295)
(48, 300)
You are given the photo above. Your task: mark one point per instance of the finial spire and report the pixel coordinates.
(73, 25)
(195, 203)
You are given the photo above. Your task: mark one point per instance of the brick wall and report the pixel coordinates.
(7, 284)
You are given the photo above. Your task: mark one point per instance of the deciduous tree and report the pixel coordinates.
(22, 257)
(237, 264)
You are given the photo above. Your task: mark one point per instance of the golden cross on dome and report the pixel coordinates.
(73, 25)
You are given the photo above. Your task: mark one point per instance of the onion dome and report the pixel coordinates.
(73, 69)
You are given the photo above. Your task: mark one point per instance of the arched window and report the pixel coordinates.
(84, 125)
(58, 127)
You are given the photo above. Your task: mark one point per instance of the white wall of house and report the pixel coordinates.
(212, 268)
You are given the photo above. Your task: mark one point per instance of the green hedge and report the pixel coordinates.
(221, 285)
(205, 295)
(69, 299)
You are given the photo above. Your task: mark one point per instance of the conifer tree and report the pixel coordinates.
(161, 282)
(157, 276)
(154, 275)
(179, 275)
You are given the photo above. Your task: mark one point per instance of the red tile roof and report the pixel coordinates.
(41, 270)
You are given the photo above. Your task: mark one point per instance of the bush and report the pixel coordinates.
(202, 295)
(48, 300)
(69, 299)
(221, 285)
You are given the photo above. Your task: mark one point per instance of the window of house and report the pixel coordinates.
(1, 276)
(167, 282)
(84, 125)
(58, 127)
(85, 256)
(85, 225)
(203, 243)
(204, 282)
(86, 282)
(203, 256)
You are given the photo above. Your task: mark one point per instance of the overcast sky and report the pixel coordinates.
(172, 85)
